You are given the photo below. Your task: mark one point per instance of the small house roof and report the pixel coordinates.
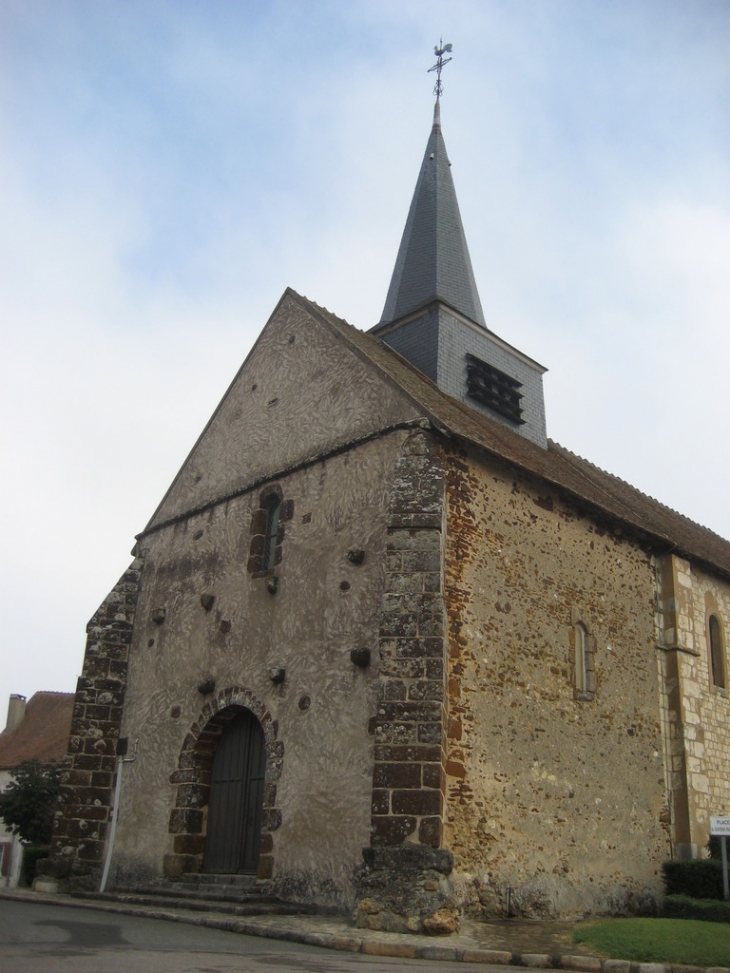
(42, 735)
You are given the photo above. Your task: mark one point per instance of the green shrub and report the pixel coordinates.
(31, 854)
(700, 878)
(714, 847)
(708, 910)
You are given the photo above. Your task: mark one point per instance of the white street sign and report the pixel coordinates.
(719, 825)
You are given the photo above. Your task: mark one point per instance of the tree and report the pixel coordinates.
(28, 802)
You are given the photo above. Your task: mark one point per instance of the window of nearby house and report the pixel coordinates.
(717, 653)
(5, 855)
(493, 388)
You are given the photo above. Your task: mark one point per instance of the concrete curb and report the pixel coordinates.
(372, 944)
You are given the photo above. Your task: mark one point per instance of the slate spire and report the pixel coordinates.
(433, 316)
(433, 260)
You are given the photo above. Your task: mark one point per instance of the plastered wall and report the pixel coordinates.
(291, 420)
(299, 394)
(324, 606)
(555, 804)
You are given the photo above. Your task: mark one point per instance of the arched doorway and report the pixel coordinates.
(233, 837)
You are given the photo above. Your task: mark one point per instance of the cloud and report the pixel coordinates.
(167, 170)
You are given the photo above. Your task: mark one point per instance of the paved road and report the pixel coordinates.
(37, 938)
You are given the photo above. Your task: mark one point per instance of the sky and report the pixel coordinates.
(169, 167)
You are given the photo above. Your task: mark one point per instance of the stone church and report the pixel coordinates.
(388, 648)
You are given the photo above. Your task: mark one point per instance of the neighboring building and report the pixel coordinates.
(380, 625)
(37, 730)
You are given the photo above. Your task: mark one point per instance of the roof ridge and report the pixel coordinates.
(51, 692)
(379, 343)
(557, 465)
(326, 310)
(665, 506)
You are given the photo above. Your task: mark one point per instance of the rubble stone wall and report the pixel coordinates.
(555, 796)
(405, 881)
(87, 784)
(408, 773)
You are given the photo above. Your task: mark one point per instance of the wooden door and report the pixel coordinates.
(236, 798)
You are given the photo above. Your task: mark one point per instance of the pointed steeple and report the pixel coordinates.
(433, 316)
(433, 260)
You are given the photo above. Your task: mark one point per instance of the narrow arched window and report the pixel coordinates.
(581, 661)
(717, 653)
(272, 532)
(268, 523)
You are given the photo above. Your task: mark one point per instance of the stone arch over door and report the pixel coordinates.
(193, 778)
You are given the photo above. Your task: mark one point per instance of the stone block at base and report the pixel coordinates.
(47, 885)
(495, 957)
(616, 966)
(406, 888)
(536, 961)
(586, 964)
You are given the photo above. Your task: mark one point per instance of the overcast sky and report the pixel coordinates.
(168, 167)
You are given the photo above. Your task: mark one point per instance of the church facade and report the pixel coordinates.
(389, 648)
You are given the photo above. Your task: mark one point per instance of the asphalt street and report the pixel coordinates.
(38, 938)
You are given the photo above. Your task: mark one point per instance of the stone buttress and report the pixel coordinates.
(404, 882)
(87, 784)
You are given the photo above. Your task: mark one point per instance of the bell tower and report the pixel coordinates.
(433, 315)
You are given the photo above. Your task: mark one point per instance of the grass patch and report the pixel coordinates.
(687, 941)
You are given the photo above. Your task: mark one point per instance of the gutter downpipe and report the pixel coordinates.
(115, 814)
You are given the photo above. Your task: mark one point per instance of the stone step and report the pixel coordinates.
(214, 885)
(239, 879)
(211, 893)
(251, 906)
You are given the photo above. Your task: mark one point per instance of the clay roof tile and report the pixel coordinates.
(42, 734)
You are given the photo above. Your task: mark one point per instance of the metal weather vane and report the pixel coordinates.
(439, 51)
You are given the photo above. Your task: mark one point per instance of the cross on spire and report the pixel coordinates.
(439, 51)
